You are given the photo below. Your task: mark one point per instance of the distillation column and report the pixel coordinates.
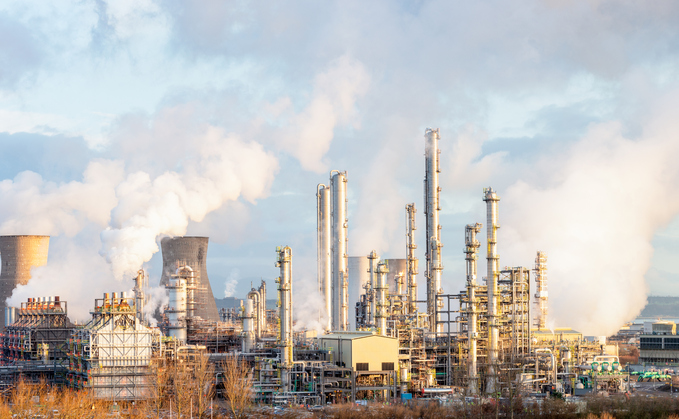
(411, 260)
(491, 199)
(340, 264)
(381, 297)
(431, 210)
(373, 259)
(324, 244)
(139, 284)
(285, 297)
(471, 249)
(248, 326)
(262, 307)
(541, 291)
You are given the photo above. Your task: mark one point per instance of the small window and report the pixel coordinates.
(362, 366)
(387, 366)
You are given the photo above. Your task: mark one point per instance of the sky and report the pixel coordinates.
(123, 122)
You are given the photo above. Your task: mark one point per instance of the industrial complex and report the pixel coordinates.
(378, 340)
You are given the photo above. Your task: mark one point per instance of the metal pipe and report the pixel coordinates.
(338, 185)
(381, 297)
(491, 199)
(411, 260)
(471, 249)
(255, 297)
(285, 295)
(431, 210)
(324, 247)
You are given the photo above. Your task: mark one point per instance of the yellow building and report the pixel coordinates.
(557, 335)
(362, 351)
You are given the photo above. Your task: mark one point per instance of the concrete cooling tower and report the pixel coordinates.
(190, 251)
(18, 254)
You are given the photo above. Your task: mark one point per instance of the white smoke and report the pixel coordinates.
(231, 282)
(307, 135)
(595, 212)
(223, 168)
(212, 168)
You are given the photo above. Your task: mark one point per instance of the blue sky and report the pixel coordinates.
(124, 121)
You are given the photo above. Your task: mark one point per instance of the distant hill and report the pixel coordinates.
(233, 302)
(661, 307)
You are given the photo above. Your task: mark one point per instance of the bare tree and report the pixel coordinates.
(237, 385)
(204, 389)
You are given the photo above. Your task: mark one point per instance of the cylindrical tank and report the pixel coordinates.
(192, 252)
(248, 326)
(18, 254)
(176, 312)
(359, 279)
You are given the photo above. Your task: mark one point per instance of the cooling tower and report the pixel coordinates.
(18, 254)
(190, 251)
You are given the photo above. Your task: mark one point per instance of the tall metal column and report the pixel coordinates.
(340, 268)
(471, 256)
(491, 199)
(381, 297)
(324, 246)
(411, 260)
(431, 210)
(372, 261)
(541, 291)
(285, 297)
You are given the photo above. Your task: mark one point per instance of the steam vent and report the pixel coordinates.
(18, 254)
(190, 251)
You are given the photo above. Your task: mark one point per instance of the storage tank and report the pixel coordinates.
(192, 252)
(18, 254)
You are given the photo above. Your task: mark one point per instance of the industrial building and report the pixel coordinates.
(378, 341)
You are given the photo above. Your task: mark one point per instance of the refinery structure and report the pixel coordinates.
(378, 340)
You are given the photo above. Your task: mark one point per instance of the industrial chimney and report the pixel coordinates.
(18, 254)
(192, 252)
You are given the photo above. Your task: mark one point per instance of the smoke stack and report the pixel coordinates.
(190, 251)
(18, 254)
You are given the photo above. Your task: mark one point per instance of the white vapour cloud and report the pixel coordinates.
(231, 282)
(32, 205)
(308, 134)
(224, 168)
(595, 213)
